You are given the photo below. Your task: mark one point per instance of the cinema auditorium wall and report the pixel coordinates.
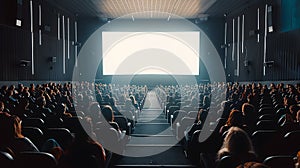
(15, 43)
(281, 44)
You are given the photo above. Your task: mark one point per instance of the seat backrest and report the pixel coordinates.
(172, 109)
(34, 122)
(35, 160)
(192, 114)
(122, 122)
(187, 108)
(292, 141)
(266, 125)
(34, 134)
(72, 123)
(109, 138)
(179, 114)
(266, 110)
(195, 137)
(6, 159)
(226, 162)
(279, 161)
(127, 114)
(267, 117)
(187, 121)
(53, 122)
(62, 135)
(266, 143)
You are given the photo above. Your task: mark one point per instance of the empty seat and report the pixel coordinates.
(182, 126)
(62, 135)
(33, 122)
(266, 125)
(72, 123)
(192, 114)
(34, 134)
(178, 115)
(53, 122)
(35, 160)
(267, 143)
(110, 139)
(266, 110)
(131, 116)
(187, 108)
(292, 142)
(6, 159)
(123, 124)
(265, 105)
(267, 117)
(172, 109)
(279, 162)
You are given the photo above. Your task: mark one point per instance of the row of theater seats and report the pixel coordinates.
(275, 142)
(28, 159)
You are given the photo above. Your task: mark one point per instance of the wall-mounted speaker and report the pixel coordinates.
(19, 13)
(52, 59)
(24, 63)
(270, 19)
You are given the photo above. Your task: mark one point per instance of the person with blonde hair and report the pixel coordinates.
(238, 146)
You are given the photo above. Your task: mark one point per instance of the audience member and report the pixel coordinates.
(238, 146)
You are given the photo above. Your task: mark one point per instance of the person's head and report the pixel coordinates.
(107, 113)
(199, 115)
(288, 101)
(132, 98)
(94, 111)
(298, 116)
(237, 142)
(10, 128)
(247, 109)
(85, 132)
(253, 165)
(24, 103)
(235, 118)
(41, 101)
(293, 110)
(1, 106)
(206, 100)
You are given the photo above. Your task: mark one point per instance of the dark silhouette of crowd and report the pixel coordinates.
(63, 124)
(247, 123)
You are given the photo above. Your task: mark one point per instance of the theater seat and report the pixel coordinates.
(72, 123)
(62, 135)
(6, 160)
(292, 142)
(279, 162)
(266, 125)
(267, 143)
(123, 124)
(34, 134)
(34, 122)
(35, 160)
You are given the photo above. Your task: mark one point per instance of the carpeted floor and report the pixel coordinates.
(152, 142)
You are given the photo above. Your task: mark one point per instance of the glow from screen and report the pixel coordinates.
(132, 53)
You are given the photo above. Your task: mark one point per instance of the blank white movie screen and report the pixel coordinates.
(134, 53)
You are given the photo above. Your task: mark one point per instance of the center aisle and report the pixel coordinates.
(153, 142)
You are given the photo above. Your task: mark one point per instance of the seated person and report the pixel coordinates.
(235, 119)
(84, 151)
(10, 129)
(238, 145)
(108, 115)
(15, 142)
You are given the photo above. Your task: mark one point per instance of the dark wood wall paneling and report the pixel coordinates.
(282, 47)
(15, 43)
